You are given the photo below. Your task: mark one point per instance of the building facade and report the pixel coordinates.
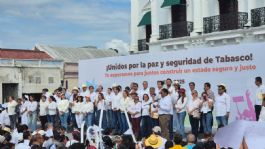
(162, 25)
(27, 72)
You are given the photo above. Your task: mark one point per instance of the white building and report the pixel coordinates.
(162, 25)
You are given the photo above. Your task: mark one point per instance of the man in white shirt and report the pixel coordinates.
(159, 88)
(11, 110)
(108, 98)
(32, 113)
(84, 92)
(222, 106)
(145, 90)
(165, 112)
(260, 96)
(169, 86)
(43, 111)
(116, 109)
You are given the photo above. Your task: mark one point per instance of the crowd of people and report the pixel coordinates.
(156, 115)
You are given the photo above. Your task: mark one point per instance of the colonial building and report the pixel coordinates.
(27, 72)
(162, 25)
(70, 57)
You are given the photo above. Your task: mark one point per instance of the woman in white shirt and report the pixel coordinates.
(146, 120)
(88, 109)
(181, 110)
(52, 110)
(32, 113)
(135, 112)
(154, 108)
(43, 111)
(63, 106)
(207, 117)
(78, 111)
(101, 106)
(193, 109)
(124, 104)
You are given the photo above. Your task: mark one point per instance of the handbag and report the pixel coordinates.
(196, 114)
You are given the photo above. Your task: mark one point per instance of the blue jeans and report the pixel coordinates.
(221, 121)
(32, 121)
(181, 120)
(89, 118)
(146, 126)
(110, 119)
(170, 127)
(207, 119)
(63, 119)
(104, 119)
(51, 119)
(176, 127)
(117, 121)
(124, 125)
(155, 122)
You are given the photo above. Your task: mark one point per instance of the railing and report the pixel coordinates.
(225, 22)
(142, 44)
(175, 30)
(258, 17)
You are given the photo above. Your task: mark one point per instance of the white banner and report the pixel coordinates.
(235, 66)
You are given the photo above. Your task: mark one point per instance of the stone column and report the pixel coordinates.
(197, 16)
(134, 25)
(251, 4)
(154, 17)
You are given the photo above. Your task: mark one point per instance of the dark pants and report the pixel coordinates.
(257, 111)
(51, 119)
(43, 121)
(194, 122)
(13, 121)
(117, 121)
(170, 127)
(146, 126)
(136, 126)
(201, 125)
(124, 124)
(104, 119)
(155, 122)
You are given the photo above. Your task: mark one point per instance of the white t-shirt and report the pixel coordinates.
(52, 108)
(205, 106)
(11, 107)
(194, 104)
(116, 99)
(136, 107)
(87, 107)
(43, 108)
(63, 105)
(180, 105)
(145, 108)
(222, 104)
(166, 106)
(260, 90)
(142, 92)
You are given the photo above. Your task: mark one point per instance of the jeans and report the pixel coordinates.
(51, 119)
(73, 120)
(207, 119)
(110, 119)
(194, 122)
(43, 121)
(124, 125)
(88, 119)
(181, 119)
(63, 119)
(155, 122)
(13, 121)
(104, 119)
(221, 121)
(146, 126)
(117, 120)
(32, 121)
(257, 111)
(176, 127)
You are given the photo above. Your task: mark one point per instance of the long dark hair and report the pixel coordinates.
(182, 97)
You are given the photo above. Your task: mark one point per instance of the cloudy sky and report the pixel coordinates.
(74, 23)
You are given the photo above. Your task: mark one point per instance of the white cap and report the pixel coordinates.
(156, 129)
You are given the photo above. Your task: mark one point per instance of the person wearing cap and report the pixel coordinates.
(52, 107)
(77, 108)
(135, 112)
(193, 109)
(207, 116)
(32, 113)
(165, 112)
(87, 110)
(43, 111)
(157, 132)
(181, 106)
(222, 106)
(11, 106)
(260, 96)
(63, 106)
(175, 96)
(84, 91)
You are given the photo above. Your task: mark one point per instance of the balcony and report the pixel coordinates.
(258, 17)
(175, 30)
(225, 22)
(142, 45)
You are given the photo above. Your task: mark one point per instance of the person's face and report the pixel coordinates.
(109, 91)
(194, 94)
(159, 85)
(50, 100)
(136, 99)
(176, 86)
(220, 90)
(206, 88)
(100, 97)
(133, 96)
(58, 94)
(192, 86)
(135, 87)
(99, 88)
(163, 94)
(10, 99)
(145, 85)
(43, 99)
(131, 85)
(204, 96)
(257, 82)
(75, 92)
(168, 82)
(31, 98)
(91, 89)
(146, 98)
(84, 89)
(152, 91)
(19, 101)
(63, 96)
(124, 94)
(87, 99)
